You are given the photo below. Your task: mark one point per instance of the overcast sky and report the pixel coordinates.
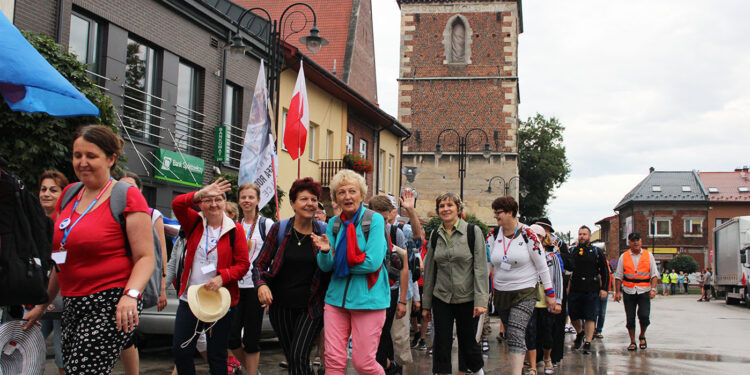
(637, 83)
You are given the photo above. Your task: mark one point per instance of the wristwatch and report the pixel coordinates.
(654, 290)
(132, 293)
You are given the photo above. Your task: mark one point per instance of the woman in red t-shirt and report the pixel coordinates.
(101, 285)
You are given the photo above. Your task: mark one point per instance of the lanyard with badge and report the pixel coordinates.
(210, 267)
(60, 255)
(505, 265)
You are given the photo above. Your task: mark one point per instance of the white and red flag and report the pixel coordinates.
(297, 118)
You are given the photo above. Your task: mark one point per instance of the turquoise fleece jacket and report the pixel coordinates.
(351, 292)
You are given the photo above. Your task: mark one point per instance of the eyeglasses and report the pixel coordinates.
(216, 200)
(498, 212)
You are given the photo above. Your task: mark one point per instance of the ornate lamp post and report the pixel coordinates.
(462, 148)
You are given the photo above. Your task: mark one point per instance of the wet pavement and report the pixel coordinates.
(685, 337)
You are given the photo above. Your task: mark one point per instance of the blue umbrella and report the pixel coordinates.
(30, 84)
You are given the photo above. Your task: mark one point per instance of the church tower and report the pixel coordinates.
(459, 95)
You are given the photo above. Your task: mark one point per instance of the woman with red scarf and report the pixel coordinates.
(354, 248)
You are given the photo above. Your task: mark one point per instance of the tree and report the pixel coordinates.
(683, 263)
(35, 142)
(543, 165)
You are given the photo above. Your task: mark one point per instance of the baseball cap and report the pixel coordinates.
(634, 236)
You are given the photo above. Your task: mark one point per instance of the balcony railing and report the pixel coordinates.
(329, 168)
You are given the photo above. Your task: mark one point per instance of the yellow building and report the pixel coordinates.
(341, 121)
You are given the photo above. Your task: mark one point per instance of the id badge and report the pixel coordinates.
(208, 269)
(59, 256)
(505, 266)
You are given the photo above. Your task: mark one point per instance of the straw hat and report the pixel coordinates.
(21, 352)
(208, 306)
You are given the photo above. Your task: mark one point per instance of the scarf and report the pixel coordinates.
(348, 253)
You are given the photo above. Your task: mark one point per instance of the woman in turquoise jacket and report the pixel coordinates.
(358, 294)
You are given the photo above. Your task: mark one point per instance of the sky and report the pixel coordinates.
(636, 83)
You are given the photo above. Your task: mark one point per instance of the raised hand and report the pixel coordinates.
(407, 199)
(218, 187)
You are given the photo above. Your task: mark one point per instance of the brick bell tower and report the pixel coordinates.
(459, 71)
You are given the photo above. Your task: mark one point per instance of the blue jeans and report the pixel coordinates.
(602, 313)
(50, 326)
(217, 339)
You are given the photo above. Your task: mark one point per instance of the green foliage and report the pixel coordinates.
(268, 211)
(435, 222)
(35, 142)
(543, 165)
(683, 263)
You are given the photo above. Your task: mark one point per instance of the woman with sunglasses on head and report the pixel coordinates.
(103, 269)
(210, 258)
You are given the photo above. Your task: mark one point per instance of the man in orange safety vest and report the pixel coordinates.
(636, 277)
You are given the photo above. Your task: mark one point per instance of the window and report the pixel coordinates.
(660, 227)
(743, 189)
(693, 227)
(84, 40)
(283, 129)
(141, 102)
(721, 221)
(390, 174)
(312, 141)
(188, 119)
(713, 190)
(349, 143)
(381, 172)
(363, 148)
(233, 121)
(458, 41)
(656, 188)
(686, 189)
(329, 144)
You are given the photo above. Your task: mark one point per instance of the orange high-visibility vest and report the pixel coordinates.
(633, 276)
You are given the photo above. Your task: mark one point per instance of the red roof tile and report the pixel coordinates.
(333, 22)
(727, 184)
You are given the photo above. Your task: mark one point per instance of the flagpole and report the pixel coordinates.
(275, 189)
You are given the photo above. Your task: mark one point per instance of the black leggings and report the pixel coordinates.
(470, 353)
(643, 304)
(385, 347)
(248, 314)
(297, 332)
(91, 342)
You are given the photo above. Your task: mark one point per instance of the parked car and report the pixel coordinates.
(153, 322)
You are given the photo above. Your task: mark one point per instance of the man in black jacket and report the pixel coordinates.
(588, 284)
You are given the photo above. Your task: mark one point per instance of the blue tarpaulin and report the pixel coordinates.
(30, 84)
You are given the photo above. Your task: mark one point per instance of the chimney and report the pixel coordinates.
(651, 170)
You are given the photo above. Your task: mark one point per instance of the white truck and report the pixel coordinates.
(732, 247)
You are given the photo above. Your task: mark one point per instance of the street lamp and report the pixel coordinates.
(313, 42)
(507, 186)
(493, 178)
(462, 151)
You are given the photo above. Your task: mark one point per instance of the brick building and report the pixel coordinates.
(728, 197)
(459, 71)
(164, 65)
(609, 235)
(669, 210)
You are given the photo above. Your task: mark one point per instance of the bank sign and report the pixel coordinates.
(179, 168)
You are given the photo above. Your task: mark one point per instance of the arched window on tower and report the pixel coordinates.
(458, 41)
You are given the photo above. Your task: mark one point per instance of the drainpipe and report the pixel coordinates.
(222, 91)
(60, 8)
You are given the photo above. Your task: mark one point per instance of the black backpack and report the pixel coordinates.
(469, 237)
(25, 244)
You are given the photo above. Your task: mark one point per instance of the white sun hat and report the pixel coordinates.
(208, 306)
(538, 230)
(21, 352)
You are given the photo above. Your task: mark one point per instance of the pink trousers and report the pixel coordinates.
(365, 327)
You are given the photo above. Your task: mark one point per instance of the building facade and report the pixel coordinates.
(728, 197)
(459, 72)
(669, 210)
(171, 81)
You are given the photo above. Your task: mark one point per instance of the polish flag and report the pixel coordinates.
(297, 118)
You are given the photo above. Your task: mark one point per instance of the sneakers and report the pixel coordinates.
(569, 329)
(233, 365)
(579, 341)
(415, 341)
(421, 345)
(485, 346)
(587, 348)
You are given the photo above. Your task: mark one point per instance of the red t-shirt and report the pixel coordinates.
(96, 257)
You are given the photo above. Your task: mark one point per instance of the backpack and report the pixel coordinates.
(469, 237)
(412, 260)
(394, 273)
(283, 224)
(117, 203)
(25, 244)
